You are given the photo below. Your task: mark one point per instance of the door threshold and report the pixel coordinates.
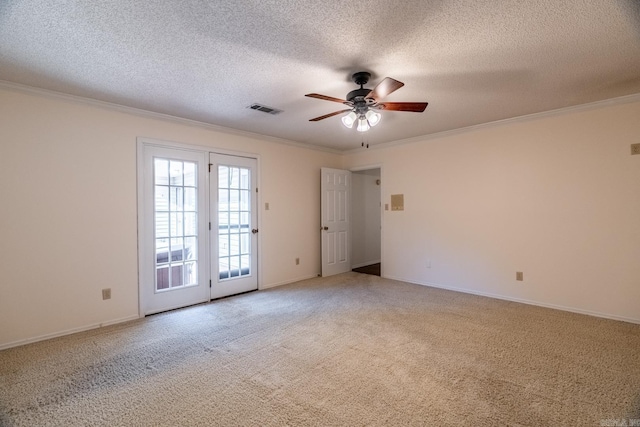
(233, 295)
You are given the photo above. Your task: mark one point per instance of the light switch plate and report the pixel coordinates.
(635, 148)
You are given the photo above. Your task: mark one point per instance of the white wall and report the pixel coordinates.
(556, 197)
(68, 210)
(365, 217)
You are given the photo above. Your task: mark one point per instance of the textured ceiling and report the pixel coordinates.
(474, 61)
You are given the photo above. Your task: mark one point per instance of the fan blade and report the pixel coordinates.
(326, 98)
(416, 107)
(384, 88)
(326, 116)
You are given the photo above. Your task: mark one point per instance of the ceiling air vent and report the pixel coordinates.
(265, 109)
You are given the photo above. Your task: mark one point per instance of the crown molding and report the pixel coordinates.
(16, 87)
(230, 131)
(519, 119)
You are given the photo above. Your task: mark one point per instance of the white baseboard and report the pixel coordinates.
(66, 332)
(363, 264)
(4, 346)
(521, 300)
(286, 282)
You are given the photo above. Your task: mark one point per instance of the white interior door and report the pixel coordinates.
(173, 228)
(234, 225)
(335, 188)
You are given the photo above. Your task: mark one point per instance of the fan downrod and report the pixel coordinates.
(357, 96)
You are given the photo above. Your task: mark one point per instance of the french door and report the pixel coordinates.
(173, 226)
(197, 226)
(234, 225)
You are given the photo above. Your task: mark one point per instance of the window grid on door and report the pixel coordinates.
(176, 223)
(234, 222)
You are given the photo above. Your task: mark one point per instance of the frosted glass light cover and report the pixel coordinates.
(363, 125)
(373, 117)
(349, 119)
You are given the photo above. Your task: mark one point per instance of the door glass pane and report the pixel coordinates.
(176, 223)
(234, 213)
(234, 200)
(245, 181)
(223, 246)
(162, 278)
(234, 266)
(234, 244)
(244, 200)
(190, 223)
(234, 177)
(245, 261)
(223, 222)
(175, 198)
(190, 248)
(223, 267)
(190, 200)
(175, 173)
(223, 177)
(223, 200)
(161, 172)
(244, 221)
(234, 222)
(176, 219)
(176, 250)
(162, 224)
(190, 274)
(176, 276)
(162, 198)
(189, 174)
(244, 243)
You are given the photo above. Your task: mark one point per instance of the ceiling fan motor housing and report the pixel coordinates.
(358, 96)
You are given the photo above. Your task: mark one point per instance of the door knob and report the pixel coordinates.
(325, 228)
(254, 231)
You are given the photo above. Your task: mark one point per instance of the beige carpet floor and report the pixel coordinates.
(349, 350)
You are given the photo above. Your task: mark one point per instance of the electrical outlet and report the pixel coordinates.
(519, 276)
(106, 293)
(297, 261)
(635, 148)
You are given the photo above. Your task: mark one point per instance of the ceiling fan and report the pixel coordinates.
(364, 103)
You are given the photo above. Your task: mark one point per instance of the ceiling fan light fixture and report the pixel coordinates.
(363, 124)
(349, 119)
(373, 117)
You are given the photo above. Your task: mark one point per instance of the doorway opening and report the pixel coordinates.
(366, 210)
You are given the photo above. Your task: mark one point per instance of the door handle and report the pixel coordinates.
(325, 228)
(254, 231)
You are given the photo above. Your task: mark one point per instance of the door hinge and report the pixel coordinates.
(209, 282)
(209, 225)
(256, 189)
(210, 164)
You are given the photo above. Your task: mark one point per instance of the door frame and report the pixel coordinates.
(382, 211)
(141, 143)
